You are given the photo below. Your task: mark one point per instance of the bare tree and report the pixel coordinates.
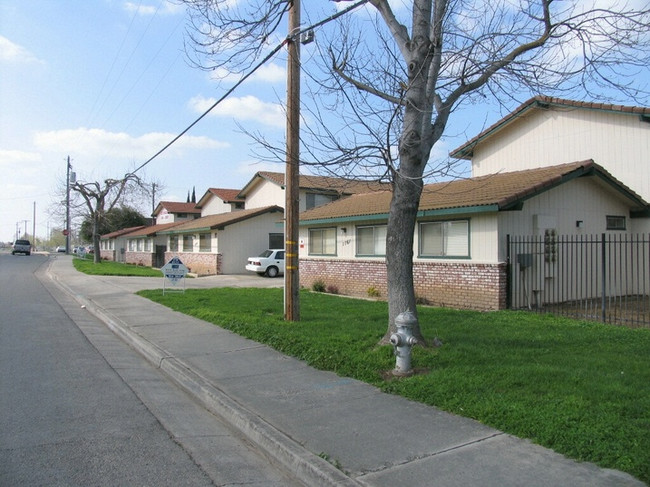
(395, 85)
(99, 199)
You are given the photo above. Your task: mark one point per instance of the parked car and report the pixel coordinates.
(269, 262)
(60, 248)
(21, 247)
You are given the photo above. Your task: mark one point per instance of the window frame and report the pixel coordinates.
(173, 243)
(358, 240)
(188, 237)
(612, 226)
(202, 238)
(311, 241)
(311, 198)
(444, 239)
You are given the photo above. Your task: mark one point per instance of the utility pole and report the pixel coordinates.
(153, 203)
(34, 226)
(67, 208)
(292, 170)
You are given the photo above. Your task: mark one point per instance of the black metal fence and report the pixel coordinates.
(596, 277)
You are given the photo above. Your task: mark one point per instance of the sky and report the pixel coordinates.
(107, 84)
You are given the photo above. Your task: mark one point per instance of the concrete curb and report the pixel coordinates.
(303, 464)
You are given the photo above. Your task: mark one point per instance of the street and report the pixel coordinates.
(79, 407)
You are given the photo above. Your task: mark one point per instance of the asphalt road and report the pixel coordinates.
(79, 407)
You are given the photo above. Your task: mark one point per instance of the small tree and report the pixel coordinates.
(100, 199)
(115, 219)
(394, 86)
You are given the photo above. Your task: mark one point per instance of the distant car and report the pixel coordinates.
(21, 247)
(60, 248)
(269, 262)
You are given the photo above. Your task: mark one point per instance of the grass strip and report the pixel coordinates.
(579, 388)
(110, 268)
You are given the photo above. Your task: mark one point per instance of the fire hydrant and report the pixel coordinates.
(402, 342)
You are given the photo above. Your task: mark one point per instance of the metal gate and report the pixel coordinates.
(596, 277)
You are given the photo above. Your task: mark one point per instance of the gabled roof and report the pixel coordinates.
(316, 183)
(152, 230)
(226, 195)
(122, 232)
(176, 207)
(466, 150)
(496, 192)
(221, 220)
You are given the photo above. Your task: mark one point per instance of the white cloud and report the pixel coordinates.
(98, 143)
(11, 157)
(270, 73)
(246, 108)
(12, 52)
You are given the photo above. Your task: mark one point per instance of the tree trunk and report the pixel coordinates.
(96, 256)
(399, 252)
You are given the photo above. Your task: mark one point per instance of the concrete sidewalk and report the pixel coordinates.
(312, 421)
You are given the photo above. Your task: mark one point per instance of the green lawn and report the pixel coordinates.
(580, 388)
(109, 268)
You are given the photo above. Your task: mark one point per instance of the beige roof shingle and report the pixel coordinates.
(176, 207)
(222, 219)
(318, 183)
(494, 192)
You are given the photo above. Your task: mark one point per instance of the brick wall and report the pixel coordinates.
(107, 254)
(201, 263)
(139, 258)
(455, 285)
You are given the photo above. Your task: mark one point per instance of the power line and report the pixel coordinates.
(273, 52)
(223, 97)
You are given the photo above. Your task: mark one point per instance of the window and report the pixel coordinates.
(444, 239)
(140, 244)
(147, 245)
(132, 244)
(173, 243)
(276, 240)
(371, 240)
(322, 241)
(205, 242)
(188, 243)
(314, 199)
(615, 222)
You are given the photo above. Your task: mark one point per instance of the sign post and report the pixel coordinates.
(174, 271)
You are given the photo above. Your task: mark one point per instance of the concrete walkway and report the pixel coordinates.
(326, 429)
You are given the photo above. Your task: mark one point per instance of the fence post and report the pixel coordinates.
(603, 254)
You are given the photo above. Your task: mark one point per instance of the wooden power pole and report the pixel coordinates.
(292, 171)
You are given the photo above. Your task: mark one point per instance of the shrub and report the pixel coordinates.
(332, 289)
(318, 286)
(373, 292)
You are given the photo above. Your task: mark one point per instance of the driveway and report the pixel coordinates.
(133, 284)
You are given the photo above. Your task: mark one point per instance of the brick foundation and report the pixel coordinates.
(202, 264)
(139, 258)
(107, 254)
(455, 285)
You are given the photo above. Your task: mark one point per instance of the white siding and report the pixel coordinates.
(620, 143)
(264, 194)
(246, 239)
(583, 199)
(215, 206)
